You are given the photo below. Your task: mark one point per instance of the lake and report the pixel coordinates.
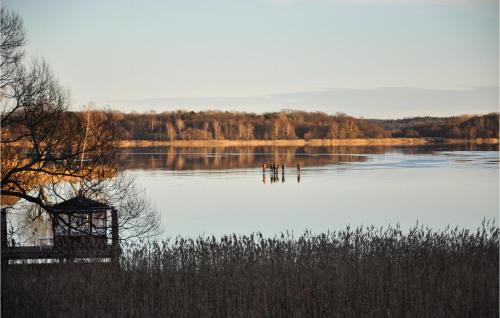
(204, 191)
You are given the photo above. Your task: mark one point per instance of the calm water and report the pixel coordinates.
(222, 190)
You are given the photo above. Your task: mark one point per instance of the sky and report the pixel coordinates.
(369, 58)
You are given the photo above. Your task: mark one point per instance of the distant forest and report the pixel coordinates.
(216, 125)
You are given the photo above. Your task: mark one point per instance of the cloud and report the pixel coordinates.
(386, 102)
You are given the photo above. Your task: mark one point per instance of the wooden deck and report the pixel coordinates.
(39, 252)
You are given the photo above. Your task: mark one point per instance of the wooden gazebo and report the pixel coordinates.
(82, 228)
(83, 223)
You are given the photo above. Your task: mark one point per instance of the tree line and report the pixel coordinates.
(218, 125)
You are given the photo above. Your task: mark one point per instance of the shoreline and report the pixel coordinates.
(310, 142)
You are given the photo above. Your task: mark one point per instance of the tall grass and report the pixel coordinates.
(351, 273)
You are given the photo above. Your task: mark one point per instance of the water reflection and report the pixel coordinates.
(207, 158)
(274, 178)
(231, 158)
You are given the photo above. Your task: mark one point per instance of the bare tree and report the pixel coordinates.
(12, 39)
(44, 143)
(216, 126)
(46, 147)
(170, 129)
(180, 125)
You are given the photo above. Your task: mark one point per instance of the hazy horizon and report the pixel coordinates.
(173, 110)
(366, 103)
(373, 59)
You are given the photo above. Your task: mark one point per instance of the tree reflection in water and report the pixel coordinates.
(223, 158)
(235, 157)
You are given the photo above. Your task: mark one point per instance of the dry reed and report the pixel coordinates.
(350, 273)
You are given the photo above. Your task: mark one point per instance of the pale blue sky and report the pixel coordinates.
(378, 58)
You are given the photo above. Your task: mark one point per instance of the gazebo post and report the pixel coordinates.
(114, 227)
(3, 229)
(114, 237)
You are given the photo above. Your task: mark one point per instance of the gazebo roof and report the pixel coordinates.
(80, 203)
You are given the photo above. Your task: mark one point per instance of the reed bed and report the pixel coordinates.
(359, 272)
